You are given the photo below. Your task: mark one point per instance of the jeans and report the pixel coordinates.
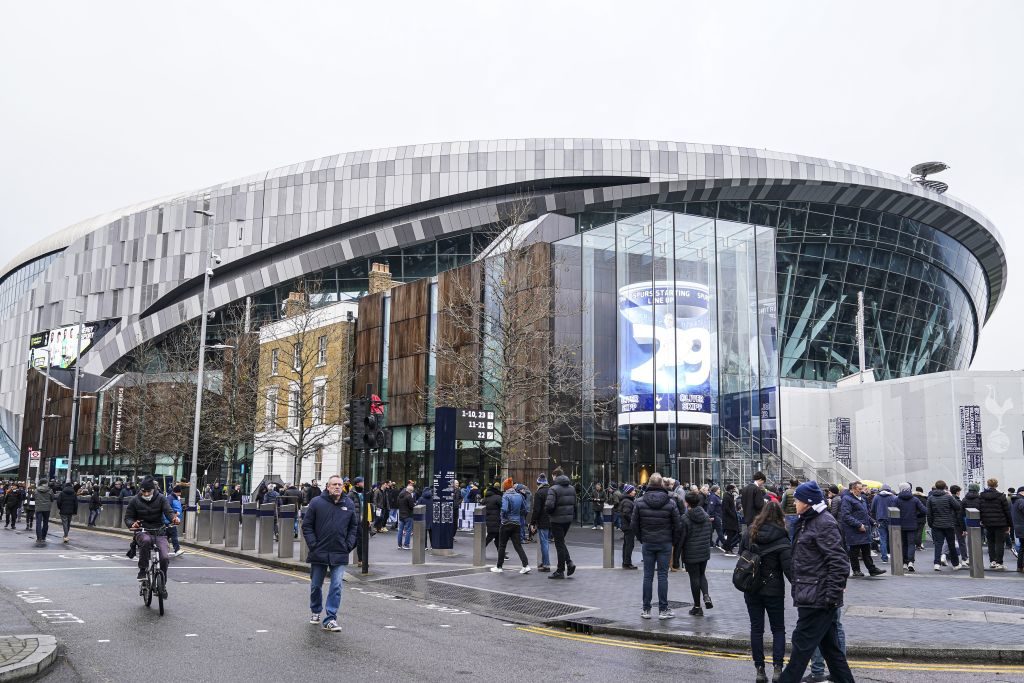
(511, 532)
(42, 525)
(865, 552)
(172, 535)
(961, 542)
(317, 573)
(816, 628)
(883, 541)
(393, 517)
(146, 541)
(698, 580)
(817, 661)
(775, 606)
(716, 526)
(93, 514)
(732, 537)
(791, 525)
(949, 536)
(405, 532)
(11, 518)
(492, 536)
(559, 530)
(628, 541)
(909, 544)
(996, 539)
(656, 555)
(30, 517)
(545, 545)
(65, 521)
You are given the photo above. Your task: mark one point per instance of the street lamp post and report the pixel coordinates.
(193, 480)
(76, 400)
(43, 415)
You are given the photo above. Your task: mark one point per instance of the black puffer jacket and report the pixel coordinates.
(994, 509)
(774, 564)
(942, 509)
(539, 516)
(820, 563)
(655, 517)
(730, 520)
(626, 507)
(67, 501)
(971, 500)
(561, 501)
(492, 505)
(695, 536)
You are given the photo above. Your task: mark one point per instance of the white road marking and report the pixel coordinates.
(191, 635)
(262, 630)
(219, 582)
(56, 616)
(390, 627)
(445, 625)
(132, 568)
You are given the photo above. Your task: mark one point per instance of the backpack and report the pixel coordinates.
(747, 576)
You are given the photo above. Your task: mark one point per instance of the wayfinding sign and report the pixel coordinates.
(474, 425)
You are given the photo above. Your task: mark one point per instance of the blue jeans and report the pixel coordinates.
(545, 541)
(172, 536)
(656, 554)
(883, 541)
(404, 532)
(93, 514)
(317, 572)
(42, 525)
(817, 660)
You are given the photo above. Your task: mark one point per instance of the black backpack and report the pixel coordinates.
(747, 575)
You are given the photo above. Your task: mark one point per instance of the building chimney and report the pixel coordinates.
(296, 304)
(380, 278)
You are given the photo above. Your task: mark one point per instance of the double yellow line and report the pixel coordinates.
(712, 654)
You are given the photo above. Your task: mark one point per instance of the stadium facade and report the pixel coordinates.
(714, 275)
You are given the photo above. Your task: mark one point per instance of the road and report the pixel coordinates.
(229, 621)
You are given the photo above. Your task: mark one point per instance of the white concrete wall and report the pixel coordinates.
(909, 429)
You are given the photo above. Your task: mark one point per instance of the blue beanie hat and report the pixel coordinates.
(627, 489)
(808, 492)
(542, 479)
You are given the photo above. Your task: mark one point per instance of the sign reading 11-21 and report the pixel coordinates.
(474, 425)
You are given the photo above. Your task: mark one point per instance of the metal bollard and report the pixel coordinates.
(232, 515)
(609, 537)
(303, 548)
(191, 512)
(265, 534)
(285, 543)
(250, 514)
(977, 561)
(203, 521)
(82, 513)
(107, 513)
(217, 522)
(479, 536)
(895, 542)
(419, 534)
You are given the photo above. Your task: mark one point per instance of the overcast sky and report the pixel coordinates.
(104, 104)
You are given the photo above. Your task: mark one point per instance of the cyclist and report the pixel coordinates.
(147, 511)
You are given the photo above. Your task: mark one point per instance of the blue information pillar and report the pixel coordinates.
(443, 517)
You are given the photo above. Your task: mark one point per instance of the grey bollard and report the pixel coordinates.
(107, 513)
(118, 514)
(82, 514)
(419, 534)
(265, 531)
(895, 542)
(217, 522)
(479, 536)
(609, 537)
(285, 544)
(303, 548)
(977, 561)
(250, 515)
(203, 521)
(232, 515)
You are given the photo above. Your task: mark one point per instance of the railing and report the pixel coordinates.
(828, 471)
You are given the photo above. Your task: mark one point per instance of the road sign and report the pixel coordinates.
(474, 425)
(34, 456)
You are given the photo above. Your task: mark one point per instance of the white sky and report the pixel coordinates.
(107, 104)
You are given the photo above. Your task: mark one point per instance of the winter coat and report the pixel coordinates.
(13, 498)
(655, 518)
(427, 500)
(774, 564)
(730, 520)
(789, 502)
(406, 503)
(994, 509)
(1017, 513)
(513, 508)
(695, 536)
(752, 499)
(880, 505)
(910, 507)
(922, 517)
(539, 516)
(330, 529)
(714, 507)
(67, 501)
(148, 513)
(942, 509)
(94, 500)
(44, 498)
(492, 507)
(561, 501)
(971, 500)
(853, 512)
(626, 507)
(820, 564)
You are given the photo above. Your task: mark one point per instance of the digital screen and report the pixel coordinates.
(60, 345)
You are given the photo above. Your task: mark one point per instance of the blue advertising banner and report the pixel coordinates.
(664, 352)
(442, 516)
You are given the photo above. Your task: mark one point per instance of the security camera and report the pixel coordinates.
(216, 258)
(211, 315)
(209, 271)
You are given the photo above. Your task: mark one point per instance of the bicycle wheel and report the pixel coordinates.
(158, 588)
(147, 592)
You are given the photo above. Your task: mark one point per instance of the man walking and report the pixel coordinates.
(752, 497)
(943, 509)
(597, 499)
(789, 506)
(67, 505)
(655, 524)
(12, 502)
(856, 521)
(626, 507)
(406, 503)
(961, 526)
(540, 522)
(44, 502)
(880, 505)
(329, 527)
(820, 567)
(994, 510)
(730, 520)
(174, 500)
(714, 509)
(513, 514)
(560, 506)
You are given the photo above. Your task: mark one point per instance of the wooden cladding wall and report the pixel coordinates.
(55, 440)
(369, 339)
(408, 353)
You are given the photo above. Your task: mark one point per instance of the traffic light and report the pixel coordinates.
(355, 425)
(373, 436)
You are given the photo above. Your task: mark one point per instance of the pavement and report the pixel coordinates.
(229, 619)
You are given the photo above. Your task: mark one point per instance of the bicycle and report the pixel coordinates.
(155, 582)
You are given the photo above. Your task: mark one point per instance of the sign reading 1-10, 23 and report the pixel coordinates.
(474, 425)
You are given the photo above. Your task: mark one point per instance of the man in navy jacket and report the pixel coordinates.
(329, 528)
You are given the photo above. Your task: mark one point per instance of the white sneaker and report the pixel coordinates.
(526, 569)
(965, 564)
(992, 565)
(497, 570)
(938, 567)
(962, 565)
(998, 566)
